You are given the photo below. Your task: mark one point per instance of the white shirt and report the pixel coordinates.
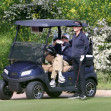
(63, 47)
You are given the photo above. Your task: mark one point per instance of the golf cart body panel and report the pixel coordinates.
(26, 69)
(39, 74)
(17, 68)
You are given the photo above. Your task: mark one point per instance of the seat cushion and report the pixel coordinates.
(46, 67)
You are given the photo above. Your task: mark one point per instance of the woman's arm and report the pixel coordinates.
(68, 44)
(86, 44)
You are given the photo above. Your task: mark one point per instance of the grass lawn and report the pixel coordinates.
(60, 104)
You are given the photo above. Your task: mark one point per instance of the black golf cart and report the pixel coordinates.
(29, 73)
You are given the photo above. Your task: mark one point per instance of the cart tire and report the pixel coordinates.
(34, 90)
(90, 88)
(54, 94)
(5, 93)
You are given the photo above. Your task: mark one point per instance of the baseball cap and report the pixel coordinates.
(66, 35)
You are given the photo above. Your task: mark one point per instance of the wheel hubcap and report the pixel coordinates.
(90, 89)
(38, 92)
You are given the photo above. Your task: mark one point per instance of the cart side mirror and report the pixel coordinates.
(36, 29)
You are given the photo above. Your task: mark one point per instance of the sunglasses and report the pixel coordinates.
(64, 38)
(76, 26)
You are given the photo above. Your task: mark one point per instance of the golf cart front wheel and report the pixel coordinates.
(90, 88)
(34, 90)
(5, 93)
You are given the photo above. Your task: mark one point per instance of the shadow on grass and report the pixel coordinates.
(48, 97)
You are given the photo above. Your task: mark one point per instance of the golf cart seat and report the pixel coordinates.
(48, 67)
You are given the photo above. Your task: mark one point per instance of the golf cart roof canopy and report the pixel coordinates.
(47, 23)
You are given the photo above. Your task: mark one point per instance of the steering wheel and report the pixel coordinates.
(50, 50)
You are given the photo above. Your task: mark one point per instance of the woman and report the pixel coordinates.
(80, 45)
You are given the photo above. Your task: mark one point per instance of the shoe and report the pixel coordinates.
(82, 96)
(53, 83)
(61, 79)
(76, 96)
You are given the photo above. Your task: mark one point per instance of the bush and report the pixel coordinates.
(102, 46)
(6, 39)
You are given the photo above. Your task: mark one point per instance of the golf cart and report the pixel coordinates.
(28, 72)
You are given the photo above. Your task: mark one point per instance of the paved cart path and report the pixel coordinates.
(99, 93)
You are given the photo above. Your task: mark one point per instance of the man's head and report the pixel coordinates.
(65, 38)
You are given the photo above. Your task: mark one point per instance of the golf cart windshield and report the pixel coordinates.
(28, 46)
(23, 51)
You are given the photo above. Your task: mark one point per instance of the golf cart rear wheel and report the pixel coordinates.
(5, 93)
(90, 88)
(54, 94)
(34, 90)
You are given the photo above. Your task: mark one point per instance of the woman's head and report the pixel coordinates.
(77, 26)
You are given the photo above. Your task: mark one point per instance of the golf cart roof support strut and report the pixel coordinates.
(46, 42)
(47, 37)
(59, 32)
(16, 34)
(14, 41)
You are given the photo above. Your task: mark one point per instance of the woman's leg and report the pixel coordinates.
(82, 78)
(76, 65)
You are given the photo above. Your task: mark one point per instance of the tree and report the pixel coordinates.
(89, 10)
(4, 5)
(39, 9)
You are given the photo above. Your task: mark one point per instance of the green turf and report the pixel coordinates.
(60, 104)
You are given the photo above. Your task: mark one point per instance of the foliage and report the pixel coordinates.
(102, 46)
(6, 38)
(88, 10)
(4, 5)
(36, 9)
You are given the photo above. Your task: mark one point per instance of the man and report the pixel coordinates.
(62, 59)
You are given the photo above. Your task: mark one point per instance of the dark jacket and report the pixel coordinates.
(66, 53)
(79, 44)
